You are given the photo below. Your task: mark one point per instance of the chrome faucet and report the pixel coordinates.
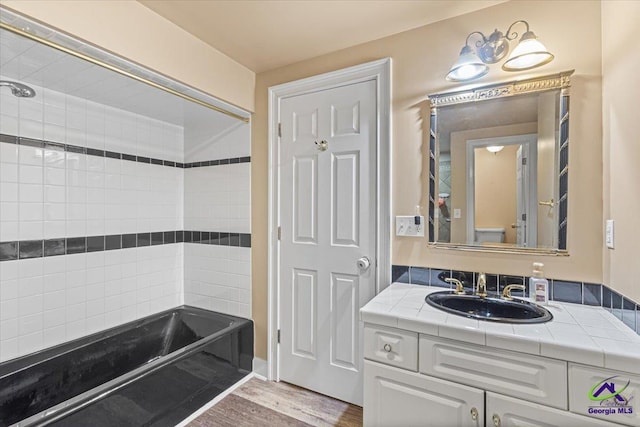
(481, 290)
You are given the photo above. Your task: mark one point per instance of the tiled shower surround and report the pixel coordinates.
(559, 290)
(218, 198)
(93, 224)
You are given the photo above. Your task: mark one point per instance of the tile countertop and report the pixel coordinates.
(577, 333)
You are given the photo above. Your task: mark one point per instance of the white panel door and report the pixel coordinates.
(327, 171)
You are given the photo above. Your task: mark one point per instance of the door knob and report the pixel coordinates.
(364, 263)
(322, 145)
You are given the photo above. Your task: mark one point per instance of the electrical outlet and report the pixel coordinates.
(410, 225)
(608, 233)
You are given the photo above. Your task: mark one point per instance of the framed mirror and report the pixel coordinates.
(498, 163)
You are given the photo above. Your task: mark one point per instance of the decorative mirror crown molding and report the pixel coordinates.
(501, 90)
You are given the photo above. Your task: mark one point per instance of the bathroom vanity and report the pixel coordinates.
(430, 368)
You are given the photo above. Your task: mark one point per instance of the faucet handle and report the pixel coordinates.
(506, 293)
(459, 286)
(481, 287)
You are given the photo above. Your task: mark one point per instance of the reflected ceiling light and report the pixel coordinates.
(494, 148)
(529, 53)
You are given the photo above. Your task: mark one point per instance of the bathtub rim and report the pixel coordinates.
(88, 397)
(25, 361)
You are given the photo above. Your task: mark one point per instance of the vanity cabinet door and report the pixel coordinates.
(615, 394)
(503, 411)
(396, 397)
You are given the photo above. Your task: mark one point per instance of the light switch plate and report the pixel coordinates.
(608, 234)
(406, 226)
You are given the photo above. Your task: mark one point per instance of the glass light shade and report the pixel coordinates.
(529, 53)
(467, 67)
(494, 148)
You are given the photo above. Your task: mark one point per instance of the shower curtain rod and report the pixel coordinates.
(119, 70)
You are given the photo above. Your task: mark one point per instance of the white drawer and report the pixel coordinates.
(533, 378)
(391, 346)
(621, 402)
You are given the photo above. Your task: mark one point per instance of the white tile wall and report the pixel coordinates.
(47, 301)
(218, 278)
(50, 194)
(47, 193)
(218, 198)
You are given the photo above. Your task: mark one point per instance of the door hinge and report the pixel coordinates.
(278, 337)
(279, 232)
(524, 161)
(280, 130)
(524, 217)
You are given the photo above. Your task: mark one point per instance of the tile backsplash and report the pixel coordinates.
(559, 290)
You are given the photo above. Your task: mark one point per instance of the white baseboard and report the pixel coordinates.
(260, 368)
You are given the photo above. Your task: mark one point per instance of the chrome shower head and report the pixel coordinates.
(18, 89)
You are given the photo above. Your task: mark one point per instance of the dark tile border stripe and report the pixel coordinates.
(583, 293)
(50, 145)
(25, 249)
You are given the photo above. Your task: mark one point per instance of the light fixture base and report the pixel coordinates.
(494, 49)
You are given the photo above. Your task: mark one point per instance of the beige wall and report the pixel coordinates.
(129, 29)
(621, 136)
(495, 192)
(421, 58)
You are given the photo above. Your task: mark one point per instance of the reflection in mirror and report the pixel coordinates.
(499, 162)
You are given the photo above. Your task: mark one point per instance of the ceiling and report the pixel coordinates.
(267, 34)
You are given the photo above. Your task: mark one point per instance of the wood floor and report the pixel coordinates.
(268, 403)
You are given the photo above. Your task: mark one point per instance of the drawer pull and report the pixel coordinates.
(496, 420)
(387, 348)
(474, 414)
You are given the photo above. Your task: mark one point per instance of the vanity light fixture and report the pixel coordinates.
(494, 148)
(529, 53)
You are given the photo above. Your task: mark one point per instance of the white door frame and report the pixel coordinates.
(380, 72)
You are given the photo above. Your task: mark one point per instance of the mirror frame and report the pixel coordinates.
(560, 81)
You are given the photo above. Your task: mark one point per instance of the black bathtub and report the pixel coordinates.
(151, 372)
